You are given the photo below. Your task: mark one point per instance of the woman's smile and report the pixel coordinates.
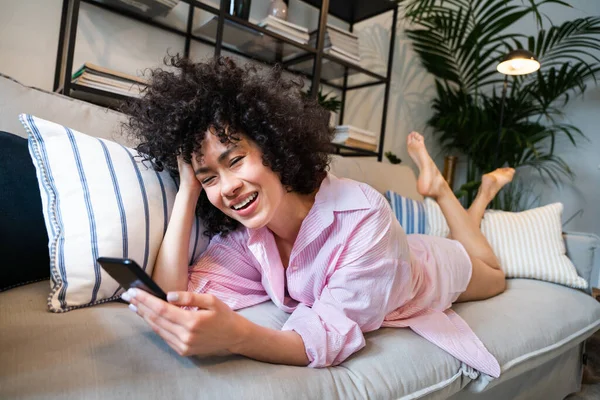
(247, 205)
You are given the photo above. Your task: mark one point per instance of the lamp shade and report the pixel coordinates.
(518, 62)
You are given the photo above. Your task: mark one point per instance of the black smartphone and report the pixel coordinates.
(130, 275)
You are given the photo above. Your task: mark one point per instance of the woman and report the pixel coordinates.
(251, 152)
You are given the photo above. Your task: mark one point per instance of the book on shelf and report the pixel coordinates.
(334, 51)
(361, 145)
(147, 8)
(351, 128)
(343, 133)
(288, 35)
(107, 71)
(101, 78)
(338, 43)
(274, 21)
(294, 32)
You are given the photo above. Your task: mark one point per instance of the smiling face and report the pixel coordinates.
(237, 182)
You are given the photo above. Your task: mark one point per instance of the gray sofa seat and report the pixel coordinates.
(521, 327)
(106, 351)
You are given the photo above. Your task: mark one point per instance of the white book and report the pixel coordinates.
(337, 50)
(357, 136)
(271, 20)
(287, 34)
(340, 137)
(351, 128)
(168, 3)
(342, 44)
(351, 49)
(341, 56)
(86, 77)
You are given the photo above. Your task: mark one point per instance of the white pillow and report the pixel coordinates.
(529, 244)
(436, 223)
(98, 199)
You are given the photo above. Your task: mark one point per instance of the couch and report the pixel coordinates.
(535, 329)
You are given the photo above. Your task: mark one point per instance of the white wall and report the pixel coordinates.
(29, 40)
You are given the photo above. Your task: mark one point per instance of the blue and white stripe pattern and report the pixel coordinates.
(410, 213)
(98, 199)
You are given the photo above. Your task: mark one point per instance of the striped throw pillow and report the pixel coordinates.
(98, 199)
(410, 213)
(529, 244)
(436, 222)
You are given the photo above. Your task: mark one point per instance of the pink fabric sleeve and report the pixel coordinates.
(358, 296)
(227, 270)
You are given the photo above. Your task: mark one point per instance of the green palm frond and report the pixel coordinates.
(572, 39)
(460, 42)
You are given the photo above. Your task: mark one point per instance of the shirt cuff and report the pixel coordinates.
(323, 347)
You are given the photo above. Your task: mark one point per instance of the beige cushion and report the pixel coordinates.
(381, 175)
(108, 352)
(16, 99)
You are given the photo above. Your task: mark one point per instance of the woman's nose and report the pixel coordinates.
(230, 184)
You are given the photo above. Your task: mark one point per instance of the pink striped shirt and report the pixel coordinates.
(351, 271)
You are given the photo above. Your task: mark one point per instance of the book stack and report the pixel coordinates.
(291, 31)
(354, 137)
(109, 80)
(339, 43)
(148, 8)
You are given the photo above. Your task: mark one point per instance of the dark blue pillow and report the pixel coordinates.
(23, 239)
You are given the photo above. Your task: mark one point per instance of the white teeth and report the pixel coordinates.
(243, 203)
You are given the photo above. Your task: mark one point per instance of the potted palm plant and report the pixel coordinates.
(460, 42)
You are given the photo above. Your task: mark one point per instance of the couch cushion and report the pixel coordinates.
(16, 98)
(529, 324)
(23, 237)
(108, 352)
(380, 175)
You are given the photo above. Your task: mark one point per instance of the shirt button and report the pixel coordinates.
(294, 267)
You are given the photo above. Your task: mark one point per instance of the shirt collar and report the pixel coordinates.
(337, 194)
(334, 195)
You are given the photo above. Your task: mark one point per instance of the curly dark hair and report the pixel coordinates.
(180, 105)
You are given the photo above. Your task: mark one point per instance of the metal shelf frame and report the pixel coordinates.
(68, 37)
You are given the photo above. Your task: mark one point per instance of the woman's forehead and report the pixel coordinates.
(213, 148)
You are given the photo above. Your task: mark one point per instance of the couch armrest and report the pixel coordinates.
(581, 249)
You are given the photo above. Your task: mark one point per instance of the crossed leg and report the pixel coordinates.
(491, 183)
(487, 279)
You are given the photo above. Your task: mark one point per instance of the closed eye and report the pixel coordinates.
(206, 181)
(235, 161)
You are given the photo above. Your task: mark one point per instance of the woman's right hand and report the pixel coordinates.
(187, 177)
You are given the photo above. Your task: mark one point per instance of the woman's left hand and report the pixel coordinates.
(211, 330)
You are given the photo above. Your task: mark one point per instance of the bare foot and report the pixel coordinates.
(430, 180)
(492, 182)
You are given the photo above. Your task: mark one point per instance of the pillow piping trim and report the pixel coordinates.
(432, 388)
(519, 360)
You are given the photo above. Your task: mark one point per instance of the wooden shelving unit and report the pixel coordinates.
(238, 36)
